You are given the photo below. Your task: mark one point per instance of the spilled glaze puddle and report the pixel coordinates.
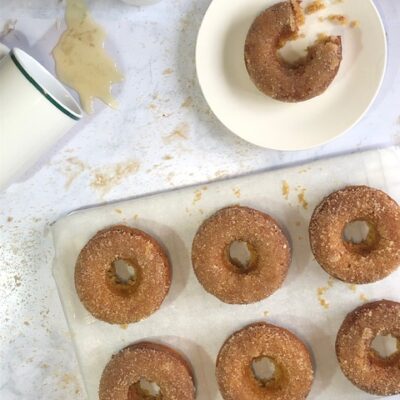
(81, 61)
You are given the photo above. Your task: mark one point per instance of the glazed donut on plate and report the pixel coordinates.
(374, 258)
(98, 286)
(293, 375)
(153, 362)
(360, 363)
(220, 275)
(303, 80)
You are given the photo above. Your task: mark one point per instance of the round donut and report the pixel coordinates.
(360, 363)
(369, 261)
(275, 77)
(220, 276)
(98, 286)
(150, 361)
(293, 367)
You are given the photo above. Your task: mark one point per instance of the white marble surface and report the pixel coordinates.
(123, 153)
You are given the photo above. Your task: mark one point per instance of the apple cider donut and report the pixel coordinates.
(374, 258)
(303, 80)
(360, 363)
(100, 290)
(153, 362)
(220, 275)
(293, 375)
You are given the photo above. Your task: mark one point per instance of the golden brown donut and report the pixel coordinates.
(360, 363)
(293, 367)
(155, 363)
(366, 262)
(275, 77)
(97, 284)
(215, 270)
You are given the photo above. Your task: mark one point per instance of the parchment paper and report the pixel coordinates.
(196, 323)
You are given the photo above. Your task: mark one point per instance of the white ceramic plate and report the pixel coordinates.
(289, 126)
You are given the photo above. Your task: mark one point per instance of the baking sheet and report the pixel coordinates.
(309, 303)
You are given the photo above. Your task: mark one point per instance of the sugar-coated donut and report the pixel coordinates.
(270, 255)
(360, 363)
(293, 367)
(150, 361)
(98, 286)
(369, 261)
(275, 77)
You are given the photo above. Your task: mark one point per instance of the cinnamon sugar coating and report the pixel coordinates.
(293, 367)
(98, 287)
(360, 363)
(368, 261)
(307, 78)
(220, 276)
(155, 363)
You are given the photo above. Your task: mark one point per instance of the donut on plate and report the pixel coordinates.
(360, 363)
(220, 275)
(293, 375)
(152, 362)
(308, 77)
(100, 290)
(374, 258)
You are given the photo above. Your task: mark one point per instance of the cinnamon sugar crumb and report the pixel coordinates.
(352, 287)
(236, 192)
(284, 39)
(180, 132)
(322, 291)
(187, 103)
(320, 294)
(322, 37)
(363, 298)
(168, 71)
(105, 179)
(338, 19)
(302, 199)
(198, 194)
(299, 15)
(354, 24)
(314, 7)
(285, 189)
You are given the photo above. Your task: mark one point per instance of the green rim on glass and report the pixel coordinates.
(61, 107)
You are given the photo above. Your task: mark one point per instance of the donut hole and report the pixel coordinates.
(360, 236)
(242, 256)
(385, 346)
(289, 50)
(264, 370)
(144, 389)
(123, 276)
(124, 271)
